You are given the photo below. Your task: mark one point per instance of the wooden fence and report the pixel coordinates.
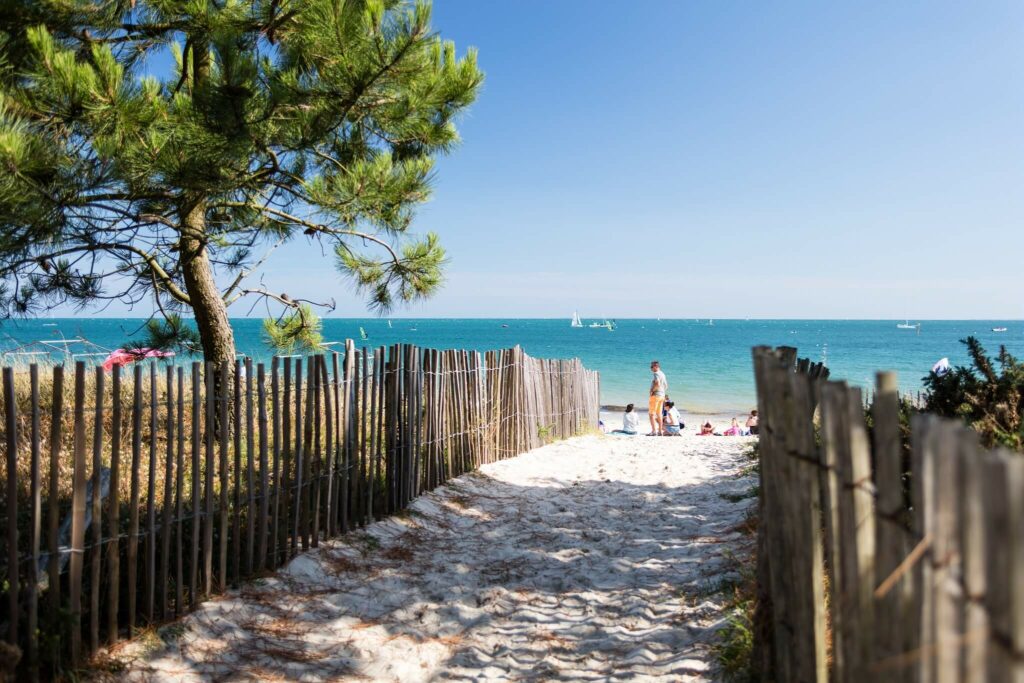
(130, 499)
(879, 561)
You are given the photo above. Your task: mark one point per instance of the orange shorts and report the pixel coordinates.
(655, 405)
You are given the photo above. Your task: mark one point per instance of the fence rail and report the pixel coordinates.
(878, 561)
(131, 503)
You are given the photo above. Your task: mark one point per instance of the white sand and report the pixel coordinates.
(590, 559)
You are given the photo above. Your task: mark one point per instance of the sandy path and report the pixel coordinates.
(589, 559)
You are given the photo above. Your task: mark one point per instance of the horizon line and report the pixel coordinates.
(506, 318)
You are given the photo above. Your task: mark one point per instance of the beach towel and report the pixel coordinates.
(125, 356)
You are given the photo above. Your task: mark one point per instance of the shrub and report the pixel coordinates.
(986, 395)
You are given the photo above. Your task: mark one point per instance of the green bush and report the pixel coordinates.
(986, 395)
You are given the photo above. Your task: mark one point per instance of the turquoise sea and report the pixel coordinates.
(708, 365)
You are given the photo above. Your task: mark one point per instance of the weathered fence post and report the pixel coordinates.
(852, 556)
(790, 623)
(971, 497)
(1004, 563)
(11, 504)
(791, 520)
(77, 522)
(894, 593)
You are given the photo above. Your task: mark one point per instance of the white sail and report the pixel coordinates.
(576, 322)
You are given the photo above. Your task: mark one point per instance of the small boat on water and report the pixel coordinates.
(999, 329)
(362, 334)
(576, 322)
(389, 324)
(607, 324)
(905, 325)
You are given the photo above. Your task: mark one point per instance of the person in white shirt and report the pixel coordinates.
(630, 422)
(659, 387)
(673, 424)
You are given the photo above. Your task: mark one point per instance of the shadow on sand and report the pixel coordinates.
(483, 579)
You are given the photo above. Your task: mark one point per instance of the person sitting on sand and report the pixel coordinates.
(659, 387)
(734, 429)
(706, 429)
(752, 423)
(672, 424)
(630, 422)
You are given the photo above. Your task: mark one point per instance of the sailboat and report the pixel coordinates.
(576, 322)
(362, 334)
(905, 325)
(389, 324)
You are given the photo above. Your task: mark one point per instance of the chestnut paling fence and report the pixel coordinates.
(877, 561)
(131, 497)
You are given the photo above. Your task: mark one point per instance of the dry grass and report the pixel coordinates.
(459, 500)
(261, 673)
(290, 654)
(748, 527)
(453, 641)
(65, 460)
(340, 564)
(398, 553)
(545, 636)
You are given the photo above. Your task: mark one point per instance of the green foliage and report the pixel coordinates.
(545, 432)
(735, 647)
(297, 329)
(413, 274)
(168, 334)
(312, 120)
(986, 395)
(752, 492)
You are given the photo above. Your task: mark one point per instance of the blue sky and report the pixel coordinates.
(727, 159)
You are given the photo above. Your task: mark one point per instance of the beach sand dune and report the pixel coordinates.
(591, 559)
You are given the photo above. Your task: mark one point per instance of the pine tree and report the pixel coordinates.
(280, 120)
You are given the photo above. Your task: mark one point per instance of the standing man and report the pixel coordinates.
(659, 387)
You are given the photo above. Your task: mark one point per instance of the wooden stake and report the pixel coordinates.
(77, 512)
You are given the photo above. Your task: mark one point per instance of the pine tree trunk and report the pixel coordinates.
(207, 304)
(211, 314)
